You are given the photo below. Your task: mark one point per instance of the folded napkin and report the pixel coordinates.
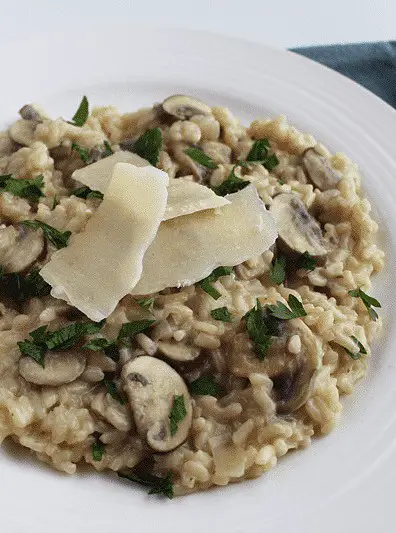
(373, 65)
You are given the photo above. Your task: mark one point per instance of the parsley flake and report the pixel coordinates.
(206, 283)
(149, 145)
(107, 150)
(83, 153)
(64, 338)
(87, 193)
(146, 303)
(108, 347)
(32, 189)
(98, 450)
(113, 391)
(362, 349)
(130, 329)
(221, 313)
(33, 350)
(368, 301)
(21, 288)
(82, 113)
(259, 151)
(159, 485)
(204, 386)
(278, 270)
(200, 157)
(307, 262)
(258, 331)
(57, 238)
(232, 184)
(177, 413)
(280, 310)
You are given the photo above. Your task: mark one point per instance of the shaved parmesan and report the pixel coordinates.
(104, 262)
(187, 249)
(184, 197)
(97, 176)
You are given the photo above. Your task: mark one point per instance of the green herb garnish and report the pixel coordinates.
(22, 288)
(57, 238)
(271, 162)
(221, 313)
(146, 303)
(83, 153)
(259, 154)
(110, 348)
(307, 262)
(86, 192)
(113, 391)
(283, 312)
(33, 350)
(368, 301)
(149, 145)
(158, 485)
(278, 270)
(200, 157)
(257, 330)
(362, 349)
(55, 202)
(130, 329)
(107, 150)
(232, 184)
(205, 385)
(177, 413)
(98, 450)
(206, 283)
(82, 113)
(32, 189)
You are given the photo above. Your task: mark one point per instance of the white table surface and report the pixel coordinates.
(281, 23)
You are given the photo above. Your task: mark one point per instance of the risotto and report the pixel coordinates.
(227, 348)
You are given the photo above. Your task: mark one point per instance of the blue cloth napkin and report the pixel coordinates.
(373, 65)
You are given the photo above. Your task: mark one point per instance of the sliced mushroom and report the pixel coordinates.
(177, 351)
(187, 164)
(151, 385)
(185, 107)
(20, 247)
(31, 112)
(59, 368)
(319, 170)
(298, 231)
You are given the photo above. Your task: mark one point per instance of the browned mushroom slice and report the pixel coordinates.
(185, 107)
(319, 170)
(151, 386)
(20, 247)
(298, 231)
(177, 351)
(31, 112)
(59, 368)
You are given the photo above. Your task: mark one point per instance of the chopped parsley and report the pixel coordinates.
(307, 262)
(110, 348)
(111, 388)
(21, 288)
(257, 330)
(149, 145)
(205, 385)
(206, 283)
(83, 153)
(232, 184)
(259, 154)
(33, 350)
(221, 313)
(278, 270)
(283, 312)
(146, 303)
(98, 450)
(200, 157)
(86, 193)
(107, 149)
(177, 413)
(57, 238)
(82, 113)
(158, 485)
(55, 202)
(130, 329)
(271, 162)
(362, 349)
(368, 301)
(32, 189)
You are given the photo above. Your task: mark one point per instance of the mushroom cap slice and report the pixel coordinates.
(319, 170)
(185, 107)
(20, 247)
(298, 230)
(59, 368)
(177, 351)
(151, 385)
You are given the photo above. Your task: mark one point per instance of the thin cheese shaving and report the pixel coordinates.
(104, 262)
(187, 249)
(184, 197)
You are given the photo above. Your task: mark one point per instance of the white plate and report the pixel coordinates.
(344, 482)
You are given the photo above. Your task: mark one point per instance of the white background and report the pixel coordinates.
(281, 23)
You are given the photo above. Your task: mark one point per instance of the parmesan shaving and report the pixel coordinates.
(104, 262)
(187, 249)
(184, 197)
